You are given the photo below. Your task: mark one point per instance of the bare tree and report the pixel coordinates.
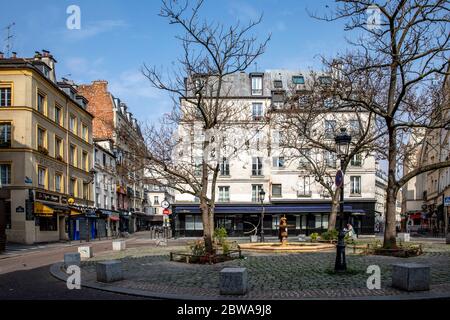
(396, 71)
(311, 119)
(187, 154)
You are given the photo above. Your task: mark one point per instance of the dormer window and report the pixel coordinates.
(298, 80)
(278, 99)
(278, 84)
(325, 80)
(257, 85)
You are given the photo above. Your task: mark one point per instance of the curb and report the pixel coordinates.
(56, 271)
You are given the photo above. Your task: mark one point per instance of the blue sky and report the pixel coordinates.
(117, 37)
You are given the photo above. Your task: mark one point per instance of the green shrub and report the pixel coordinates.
(330, 235)
(314, 236)
(220, 235)
(198, 248)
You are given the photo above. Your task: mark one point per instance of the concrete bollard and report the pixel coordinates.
(118, 245)
(109, 271)
(411, 276)
(233, 281)
(86, 252)
(71, 259)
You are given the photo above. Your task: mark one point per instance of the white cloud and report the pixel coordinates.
(244, 11)
(93, 29)
(133, 83)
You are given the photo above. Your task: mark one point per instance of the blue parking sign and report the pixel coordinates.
(447, 201)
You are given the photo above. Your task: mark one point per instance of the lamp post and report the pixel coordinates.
(262, 195)
(342, 147)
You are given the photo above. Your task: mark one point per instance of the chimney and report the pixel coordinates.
(37, 55)
(14, 55)
(1, 55)
(45, 53)
(48, 59)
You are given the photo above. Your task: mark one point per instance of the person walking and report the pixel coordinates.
(351, 232)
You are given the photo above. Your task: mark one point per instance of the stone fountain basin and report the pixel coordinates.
(289, 247)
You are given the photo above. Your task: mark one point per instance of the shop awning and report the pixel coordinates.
(114, 218)
(43, 210)
(271, 209)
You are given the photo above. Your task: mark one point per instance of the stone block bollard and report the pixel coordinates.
(447, 240)
(109, 271)
(233, 281)
(71, 259)
(86, 252)
(405, 237)
(411, 276)
(118, 245)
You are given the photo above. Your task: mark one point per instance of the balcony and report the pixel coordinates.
(43, 150)
(304, 194)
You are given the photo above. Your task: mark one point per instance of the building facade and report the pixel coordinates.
(116, 130)
(290, 187)
(45, 151)
(155, 193)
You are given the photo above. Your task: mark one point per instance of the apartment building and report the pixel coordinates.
(114, 129)
(45, 151)
(289, 186)
(155, 193)
(105, 193)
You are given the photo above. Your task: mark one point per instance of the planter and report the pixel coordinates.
(253, 238)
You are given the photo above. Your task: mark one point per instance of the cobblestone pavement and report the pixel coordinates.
(280, 276)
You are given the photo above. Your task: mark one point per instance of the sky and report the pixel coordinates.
(116, 38)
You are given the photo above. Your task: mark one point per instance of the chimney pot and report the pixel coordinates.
(14, 55)
(46, 53)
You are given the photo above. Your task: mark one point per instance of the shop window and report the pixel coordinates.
(48, 224)
(193, 222)
(275, 222)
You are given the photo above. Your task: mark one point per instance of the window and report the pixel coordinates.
(355, 185)
(42, 138)
(278, 162)
(85, 132)
(330, 159)
(257, 111)
(193, 222)
(5, 174)
(85, 161)
(304, 157)
(73, 155)
(41, 103)
(104, 160)
(278, 84)
(48, 224)
(278, 99)
(58, 115)
(5, 135)
(58, 182)
(275, 222)
(224, 167)
(198, 166)
(5, 96)
(325, 80)
(42, 177)
(356, 160)
(73, 124)
(298, 80)
(86, 191)
(276, 190)
(304, 187)
(156, 200)
(73, 187)
(330, 128)
(256, 188)
(318, 221)
(58, 148)
(256, 166)
(97, 200)
(325, 221)
(354, 127)
(257, 86)
(276, 138)
(224, 194)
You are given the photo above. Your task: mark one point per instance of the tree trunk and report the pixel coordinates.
(207, 234)
(334, 210)
(390, 233)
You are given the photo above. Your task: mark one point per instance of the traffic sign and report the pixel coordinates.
(447, 201)
(339, 178)
(165, 204)
(166, 211)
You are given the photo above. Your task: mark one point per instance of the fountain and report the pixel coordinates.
(284, 246)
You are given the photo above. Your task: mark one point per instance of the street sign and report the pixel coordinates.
(165, 204)
(166, 211)
(339, 178)
(447, 201)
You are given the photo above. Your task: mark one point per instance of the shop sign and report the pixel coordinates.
(64, 200)
(47, 197)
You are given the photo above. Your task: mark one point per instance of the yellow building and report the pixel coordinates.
(46, 149)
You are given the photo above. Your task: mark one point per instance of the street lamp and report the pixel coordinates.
(262, 195)
(342, 147)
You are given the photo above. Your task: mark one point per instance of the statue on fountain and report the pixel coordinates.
(283, 230)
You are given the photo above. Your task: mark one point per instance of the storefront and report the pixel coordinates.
(50, 221)
(240, 220)
(111, 219)
(86, 224)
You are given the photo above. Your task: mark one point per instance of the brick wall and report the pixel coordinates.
(101, 106)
